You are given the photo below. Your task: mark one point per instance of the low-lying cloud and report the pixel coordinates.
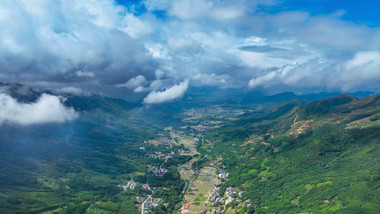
(135, 83)
(168, 94)
(47, 109)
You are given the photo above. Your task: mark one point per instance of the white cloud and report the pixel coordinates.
(95, 44)
(365, 58)
(157, 50)
(135, 27)
(168, 94)
(226, 13)
(72, 90)
(135, 82)
(45, 39)
(361, 71)
(211, 79)
(140, 89)
(262, 80)
(85, 74)
(190, 9)
(197, 9)
(255, 41)
(46, 109)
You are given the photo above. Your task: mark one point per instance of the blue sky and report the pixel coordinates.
(365, 12)
(361, 12)
(160, 48)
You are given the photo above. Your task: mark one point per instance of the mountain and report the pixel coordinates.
(328, 105)
(214, 95)
(322, 157)
(20, 92)
(283, 154)
(67, 167)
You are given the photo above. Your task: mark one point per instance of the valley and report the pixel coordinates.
(288, 157)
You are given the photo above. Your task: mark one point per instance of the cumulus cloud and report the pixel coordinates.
(137, 84)
(71, 41)
(360, 71)
(369, 59)
(134, 82)
(261, 80)
(97, 45)
(47, 109)
(168, 94)
(135, 27)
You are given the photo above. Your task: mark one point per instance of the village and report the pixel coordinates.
(214, 200)
(200, 193)
(145, 201)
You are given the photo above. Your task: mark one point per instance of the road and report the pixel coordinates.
(229, 200)
(143, 204)
(88, 208)
(175, 142)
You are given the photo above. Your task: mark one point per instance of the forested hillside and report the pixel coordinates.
(322, 157)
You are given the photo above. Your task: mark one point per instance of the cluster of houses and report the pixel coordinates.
(158, 155)
(158, 171)
(145, 186)
(150, 204)
(245, 204)
(219, 165)
(169, 142)
(200, 128)
(223, 175)
(217, 210)
(215, 197)
(233, 191)
(232, 194)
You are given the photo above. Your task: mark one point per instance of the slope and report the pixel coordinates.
(321, 158)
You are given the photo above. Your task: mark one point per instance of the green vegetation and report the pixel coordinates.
(72, 167)
(326, 167)
(292, 157)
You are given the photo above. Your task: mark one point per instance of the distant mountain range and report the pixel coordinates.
(194, 95)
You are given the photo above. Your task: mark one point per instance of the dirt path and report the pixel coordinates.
(302, 126)
(88, 208)
(295, 119)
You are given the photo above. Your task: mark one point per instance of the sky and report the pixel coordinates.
(161, 48)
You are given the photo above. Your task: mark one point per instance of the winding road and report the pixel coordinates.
(143, 204)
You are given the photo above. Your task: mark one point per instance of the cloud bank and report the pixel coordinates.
(168, 94)
(150, 45)
(46, 109)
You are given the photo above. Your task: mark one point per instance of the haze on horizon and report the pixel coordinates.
(160, 48)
